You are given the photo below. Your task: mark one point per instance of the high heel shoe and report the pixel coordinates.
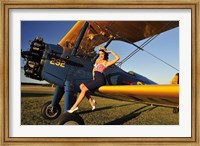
(93, 106)
(71, 111)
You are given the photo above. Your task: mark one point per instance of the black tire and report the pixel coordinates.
(49, 112)
(70, 119)
(175, 110)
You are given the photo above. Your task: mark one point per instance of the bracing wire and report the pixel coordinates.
(143, 45)
(161, 60)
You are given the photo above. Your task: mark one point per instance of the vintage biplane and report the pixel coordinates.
(69, 63)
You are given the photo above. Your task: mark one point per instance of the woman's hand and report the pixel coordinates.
(108, 52)
(111, 62)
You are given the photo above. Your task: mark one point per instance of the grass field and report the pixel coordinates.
(108, 111)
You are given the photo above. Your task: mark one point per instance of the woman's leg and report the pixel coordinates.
(90, 99)
(84, 89)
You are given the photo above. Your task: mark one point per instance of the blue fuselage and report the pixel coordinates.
(77, 70)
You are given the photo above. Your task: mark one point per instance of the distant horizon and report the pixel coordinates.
(23, 83)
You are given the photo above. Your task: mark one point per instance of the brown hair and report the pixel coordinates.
(105, 54)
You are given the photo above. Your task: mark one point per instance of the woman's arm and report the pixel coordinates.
(93, 68)
(93, 74)
(111, 62)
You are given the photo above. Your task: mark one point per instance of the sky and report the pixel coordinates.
(165, 47)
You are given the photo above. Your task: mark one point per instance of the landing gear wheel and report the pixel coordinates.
(49, 112)
(175, 110)
(70, 119)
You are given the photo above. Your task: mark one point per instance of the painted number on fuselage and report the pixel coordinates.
(57, 62)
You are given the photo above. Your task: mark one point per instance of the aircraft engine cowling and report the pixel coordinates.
(33, 57)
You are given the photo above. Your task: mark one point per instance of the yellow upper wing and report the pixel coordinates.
(99, 32)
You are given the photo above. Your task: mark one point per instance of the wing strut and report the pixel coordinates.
(108, 43)
(79, 39)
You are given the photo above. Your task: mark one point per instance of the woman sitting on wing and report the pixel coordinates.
(98, 78)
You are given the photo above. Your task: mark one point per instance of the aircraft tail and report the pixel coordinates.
(175, 79)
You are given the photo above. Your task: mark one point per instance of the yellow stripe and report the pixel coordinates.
(169, 91)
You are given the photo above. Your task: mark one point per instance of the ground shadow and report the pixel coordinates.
(102, 108)
(131, 116)
(35, 94)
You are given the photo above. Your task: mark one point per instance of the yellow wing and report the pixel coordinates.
(159, 94)
(99, 32)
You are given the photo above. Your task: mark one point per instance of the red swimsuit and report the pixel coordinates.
(99, 79)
